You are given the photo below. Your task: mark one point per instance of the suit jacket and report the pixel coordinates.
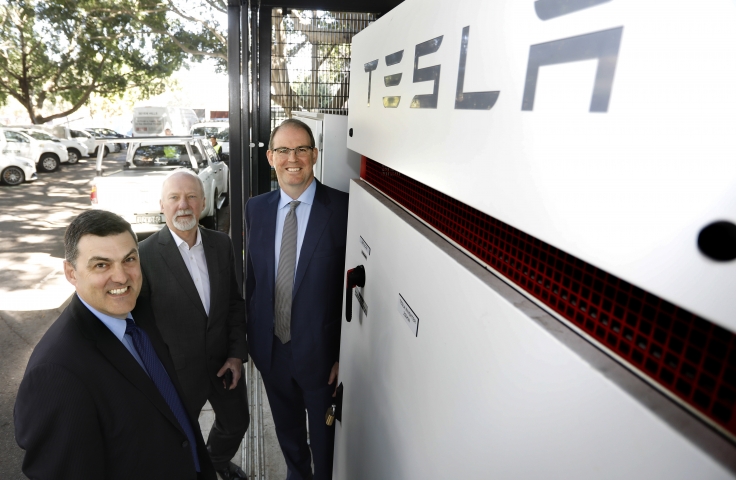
(318, 284)
(86, 408)
(199, 343)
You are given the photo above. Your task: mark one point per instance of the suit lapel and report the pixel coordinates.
(120, 358)
(267, 236)
(319, 217)
(172, 257)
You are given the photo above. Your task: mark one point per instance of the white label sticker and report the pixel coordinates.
(364, 248)
(412, 321)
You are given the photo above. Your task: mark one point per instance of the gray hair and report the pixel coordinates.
(186, 172)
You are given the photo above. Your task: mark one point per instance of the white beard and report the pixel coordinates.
(184, 225)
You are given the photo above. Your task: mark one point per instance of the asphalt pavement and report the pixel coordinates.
(33, 290)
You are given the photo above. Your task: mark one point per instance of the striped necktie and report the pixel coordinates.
(285, 276)
(161, 379)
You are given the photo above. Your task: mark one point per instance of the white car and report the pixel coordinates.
(74, 148)
(15, 170)
(109, 147)
(207, 129)
(47, 155)
(134, 192)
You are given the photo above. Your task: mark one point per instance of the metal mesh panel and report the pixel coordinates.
(689, 357)
(310, 60)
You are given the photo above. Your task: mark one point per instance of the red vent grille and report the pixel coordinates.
(686, 354)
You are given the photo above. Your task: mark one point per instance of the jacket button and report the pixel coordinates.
(185, 443)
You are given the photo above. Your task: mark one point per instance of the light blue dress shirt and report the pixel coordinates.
(117, 327)
(302, 217)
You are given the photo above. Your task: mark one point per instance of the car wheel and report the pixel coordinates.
(13, 175)
(73, 156)
(48, 163)
(104, 152)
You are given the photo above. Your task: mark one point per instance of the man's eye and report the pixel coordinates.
(303, 150)
(100, 265)
(282, 151)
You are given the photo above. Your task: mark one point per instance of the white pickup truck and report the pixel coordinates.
(134, 190)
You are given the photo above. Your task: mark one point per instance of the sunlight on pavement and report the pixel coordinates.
(35, 281)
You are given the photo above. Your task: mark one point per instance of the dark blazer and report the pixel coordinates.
(199, 343)
(318, 284)
(86, 408)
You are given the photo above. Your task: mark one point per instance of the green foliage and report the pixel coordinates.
(68, 49)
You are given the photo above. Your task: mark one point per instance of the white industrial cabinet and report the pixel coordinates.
(450, 373)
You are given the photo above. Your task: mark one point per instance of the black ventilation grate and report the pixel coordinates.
(689, 356)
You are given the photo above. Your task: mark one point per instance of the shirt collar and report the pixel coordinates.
(116, 326)
(179, 241)
(307, 195)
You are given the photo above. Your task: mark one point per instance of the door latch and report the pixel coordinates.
(354, 278)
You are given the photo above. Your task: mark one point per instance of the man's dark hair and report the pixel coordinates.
(99, 223)
(292, 122)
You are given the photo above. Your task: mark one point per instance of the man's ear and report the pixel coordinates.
(161, 205)
(269, 155)
(70, 273)
(315, 156)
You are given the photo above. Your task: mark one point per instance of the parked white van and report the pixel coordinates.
(150, 121)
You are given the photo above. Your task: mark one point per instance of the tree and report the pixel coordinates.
(199, 28)
(67, 49)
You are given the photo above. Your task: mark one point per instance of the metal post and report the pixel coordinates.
(263, 129)
(236, 157)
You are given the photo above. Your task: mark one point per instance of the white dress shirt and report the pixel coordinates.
(197, 265)
(117, 327)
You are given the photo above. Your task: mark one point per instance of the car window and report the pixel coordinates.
(162, 157)
(16, 137)
(40, 135)
(224, 135)
(206, 131)
(79, 133)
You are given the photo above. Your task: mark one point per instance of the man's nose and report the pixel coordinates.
(118, 274)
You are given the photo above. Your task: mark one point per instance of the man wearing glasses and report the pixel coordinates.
(294, 286)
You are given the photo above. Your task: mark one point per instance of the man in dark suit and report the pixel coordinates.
(294, 287)
(189, 282)
(100, 398)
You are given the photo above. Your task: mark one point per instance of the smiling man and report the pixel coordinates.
(99, 398)
(189, 281)
(295, 259)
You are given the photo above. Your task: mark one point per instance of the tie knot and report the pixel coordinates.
(293, 205)
(129, 326)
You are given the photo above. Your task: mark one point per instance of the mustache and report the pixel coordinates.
(180, 213)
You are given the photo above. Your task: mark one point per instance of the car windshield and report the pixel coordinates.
(40, 135)
(166, 157)
(224, 135)
(206, 131)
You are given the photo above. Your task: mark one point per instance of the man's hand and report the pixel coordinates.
(235, 365)
(333, 376)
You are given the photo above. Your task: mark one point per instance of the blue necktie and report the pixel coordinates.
(162, 381)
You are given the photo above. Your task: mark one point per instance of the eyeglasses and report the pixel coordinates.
(302, 151)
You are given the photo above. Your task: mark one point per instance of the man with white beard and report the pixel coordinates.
(189, 282)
